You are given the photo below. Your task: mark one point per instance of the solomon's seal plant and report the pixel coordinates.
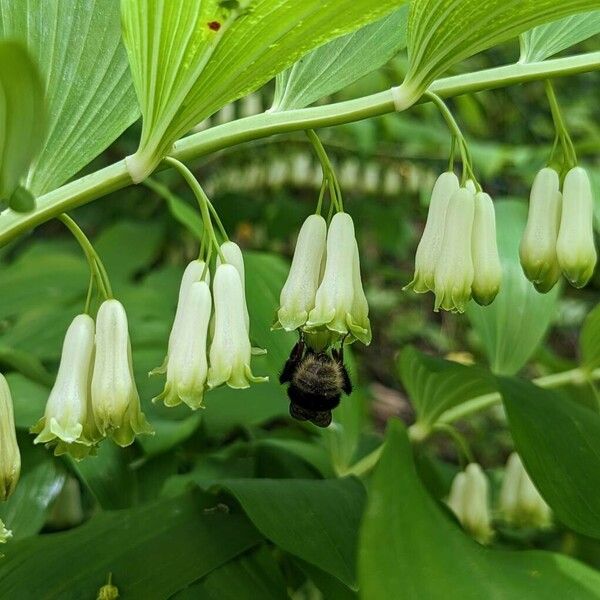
(373, 452)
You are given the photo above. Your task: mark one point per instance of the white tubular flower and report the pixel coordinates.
(428, 250)
(10, 457)
(454, 270)
(537, 250)
(520, 502)
(187, 367)
(575, 246)
(193, 272)
(233, 256)
(230, 350)
(487, 272)
(469, 501)
(340, 305)
(115, 399)
(67, 421)
(5, 534)
(297, 297)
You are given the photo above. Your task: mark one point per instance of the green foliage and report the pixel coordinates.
(558, 441)
(206, 66)
(425, 555)
(22, 116)
(441, 34)
(511, 328)
(590, 340)
(77, 47)
(339, 63)
(546, 40)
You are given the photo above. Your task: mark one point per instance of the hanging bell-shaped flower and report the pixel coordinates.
(195, 271)
(115, 399)
(428, 250)
(454, 270)
(520, 502)
(187, 366)
(68, 421)
(575, 246)
(297, 297)
(232, 254)
(537, 250)
(469, 501)
(340, 305)
(230, 350)
(10, 457)
(487, 271)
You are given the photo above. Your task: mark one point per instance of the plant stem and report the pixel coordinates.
(418, 433)
(116, 176)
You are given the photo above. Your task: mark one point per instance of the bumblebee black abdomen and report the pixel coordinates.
(313, 402)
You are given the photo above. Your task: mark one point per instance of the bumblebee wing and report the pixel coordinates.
(347, 384)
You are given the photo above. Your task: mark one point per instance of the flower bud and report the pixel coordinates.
(233, 256)
(340, 304)
(10, 457)
(487, 272)
(469, 501)
(230, 350)
(193, 272)
(68, 421)
(575, 246)
(297, 297)
(115, 399)
(187, 365)
(428, 250)
(537, 250)
(454, 270)
(520, 502)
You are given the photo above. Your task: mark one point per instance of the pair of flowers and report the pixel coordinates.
(94, 395)
(520, 504)
(189, 368)
(559, 236)
(457, 257)
(323, 295)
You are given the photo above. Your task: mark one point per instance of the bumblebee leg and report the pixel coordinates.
(338, 356)
(321, 418)
(292, 363)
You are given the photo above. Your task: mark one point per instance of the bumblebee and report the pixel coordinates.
(317, 380)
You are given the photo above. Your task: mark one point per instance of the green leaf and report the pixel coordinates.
(42, 479)
(152, 552)
(253, 576)
(29, 400)
(435, 385)
(513, 326)
(590, 339)
(559, 442)
(546, 40)
(22, 115)
(314, 520)
(441, 33)
(189, 59)
(90, 97)
(409, 548)
(341, 62)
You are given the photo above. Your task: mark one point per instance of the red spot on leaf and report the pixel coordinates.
(214, 25)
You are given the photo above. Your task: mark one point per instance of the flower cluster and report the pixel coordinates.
(208, 348)
(457, 257)
(559, 236)
(94, 395)
(323, 295)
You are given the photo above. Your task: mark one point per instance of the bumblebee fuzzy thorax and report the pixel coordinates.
(319, 374)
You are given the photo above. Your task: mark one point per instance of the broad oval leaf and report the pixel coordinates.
(153, 552)
(341, 62)
(546, 40)
(409, 548)
(435, 385)
(514, 324)
(22, 115)
(590, 340)
(89, 93)
(559, 442)
(190, 58)
(441, 33)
